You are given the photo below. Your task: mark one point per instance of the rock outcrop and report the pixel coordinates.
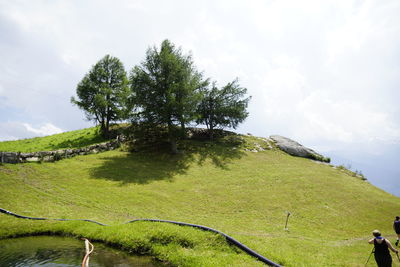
(295, 149)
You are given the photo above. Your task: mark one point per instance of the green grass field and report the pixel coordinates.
(72, 139)
(243, 194)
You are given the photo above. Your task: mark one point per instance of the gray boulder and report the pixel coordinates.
(295, 149)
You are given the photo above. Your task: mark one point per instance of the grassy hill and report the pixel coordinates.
(220, 185)
(72, 139)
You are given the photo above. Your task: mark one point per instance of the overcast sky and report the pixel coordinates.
(324, 73)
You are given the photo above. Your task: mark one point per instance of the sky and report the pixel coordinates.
(324, 73)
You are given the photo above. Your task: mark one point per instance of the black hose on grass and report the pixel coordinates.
(34, 218)
(230, 239)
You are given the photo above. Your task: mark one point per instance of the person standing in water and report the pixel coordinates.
(382, 246)
(396, 228)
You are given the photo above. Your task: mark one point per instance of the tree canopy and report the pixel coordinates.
(166, 89)
(225, 107)
(103, 92)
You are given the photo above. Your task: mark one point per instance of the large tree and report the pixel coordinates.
(225, 107)
(103, 93)
(166, 89)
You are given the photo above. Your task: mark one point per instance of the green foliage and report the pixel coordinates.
(165, 90)
(72, 139)
(103, 93)
(320, 158)
(223, 107)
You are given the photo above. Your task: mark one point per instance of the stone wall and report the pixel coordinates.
(50, 156)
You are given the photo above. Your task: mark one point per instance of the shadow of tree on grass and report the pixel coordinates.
(81, 141)
(145, 167)
(221, 152)
(140, 167)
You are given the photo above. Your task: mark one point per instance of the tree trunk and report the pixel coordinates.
(108, 117)
(103, 128)
(172, 138)
(174, 149)
(183, 130)
(107, 129)
(211, 132)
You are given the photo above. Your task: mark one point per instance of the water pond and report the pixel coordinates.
(64, 252)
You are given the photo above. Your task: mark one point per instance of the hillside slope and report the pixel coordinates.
(72, 139)
(241, 193)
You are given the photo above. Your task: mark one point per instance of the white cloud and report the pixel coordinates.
(351, 34)
(334, 119)
(325, 71)
(363, 24)
(19, 130)
(43, 130)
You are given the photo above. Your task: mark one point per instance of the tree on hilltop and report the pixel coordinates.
(225, 107)
(103, 92)
(166, 90)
